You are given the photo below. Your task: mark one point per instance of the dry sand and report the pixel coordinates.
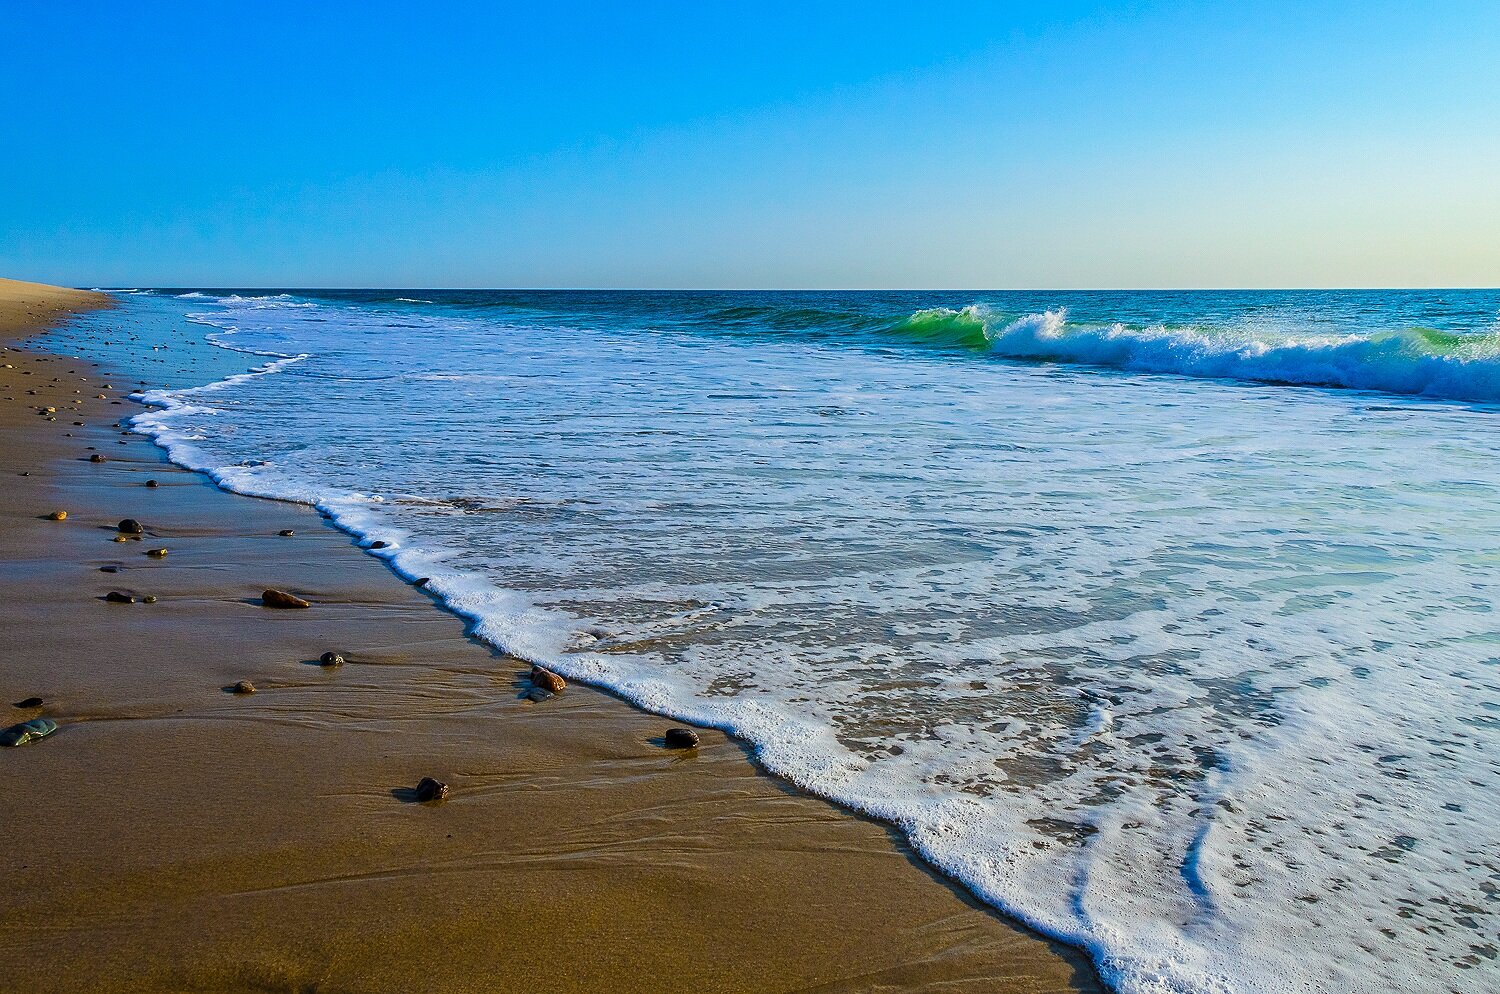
(27, 307)
(172, 836)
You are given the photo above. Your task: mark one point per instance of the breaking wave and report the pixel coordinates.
(1417, 361)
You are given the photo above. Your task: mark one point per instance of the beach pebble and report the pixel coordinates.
(115, 597)
(109, 569)
(96, 457)
(272, 597)
(157, 553)
(149, 599)
(330, 658)
(424, 581)
(681, 738)
(151, 483)
(58, 516)
(120, 538)
(30, 702)
(243, 687)
(27, 732)
(286, 533)
(129, 526)
(547, 680)
(429, 789)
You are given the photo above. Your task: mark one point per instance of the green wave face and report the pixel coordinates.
(1448, 344)
(967, 328)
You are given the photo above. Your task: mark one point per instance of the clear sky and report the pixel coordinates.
(925, 144)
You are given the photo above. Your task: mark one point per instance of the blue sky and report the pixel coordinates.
(752, 145)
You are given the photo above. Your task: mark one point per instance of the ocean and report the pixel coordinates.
(1163, 621)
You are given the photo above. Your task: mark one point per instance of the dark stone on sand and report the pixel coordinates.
(27, 732)
(149, 599)
(115, 597)
(129, 526)
(429, 789)
(96, 457)
(330, 658)
(280, 598)
(681, 738)
(243, 687)
(286, 533)
(424, 581)
(157, 553)
(151, 483)
(30, 702)
(547, 680)
(378, 545)
(58, 516)
(109, 569)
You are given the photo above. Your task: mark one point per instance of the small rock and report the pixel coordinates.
(280, 598)
(424, 581)
(151, 483)
(96, 457)
(149, 599)
(30, 702)
(243, 687)
(547, 680)
(115, 597)
(681, 738)
(109, 569)
(378, 545)
(157, 553)
(429, 789)
(58, 516)
(120, 538)
(330, 658)
(129, 526)
(286, 533)
(27, 732)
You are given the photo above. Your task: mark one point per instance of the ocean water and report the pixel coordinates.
(1165, 622)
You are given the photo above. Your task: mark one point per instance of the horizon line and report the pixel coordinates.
(708, 289)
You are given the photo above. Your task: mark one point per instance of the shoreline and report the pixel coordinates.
(178, 837)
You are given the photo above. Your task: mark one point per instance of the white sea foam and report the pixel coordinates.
(1198, 678)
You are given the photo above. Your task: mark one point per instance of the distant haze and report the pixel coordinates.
(753, 145)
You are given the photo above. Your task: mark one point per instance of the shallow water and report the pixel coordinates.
(1129, 618)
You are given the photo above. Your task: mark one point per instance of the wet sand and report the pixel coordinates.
(173, 836)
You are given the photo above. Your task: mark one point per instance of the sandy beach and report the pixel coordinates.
(175, 836)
